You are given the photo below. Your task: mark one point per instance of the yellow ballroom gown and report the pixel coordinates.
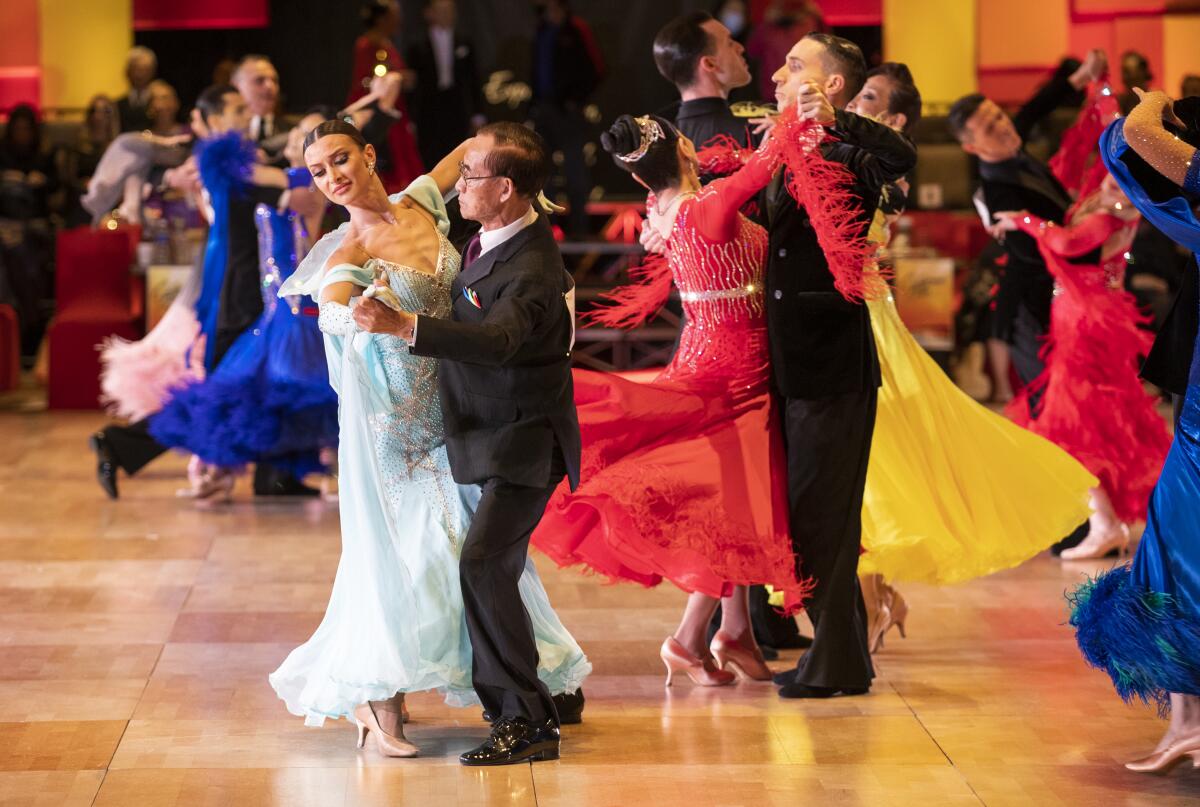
(954, 490)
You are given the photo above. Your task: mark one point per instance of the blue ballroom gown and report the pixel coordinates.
(1140, 623)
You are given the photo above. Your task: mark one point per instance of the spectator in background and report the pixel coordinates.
(28, 183)
(258, 82)
(163, 110)
(1190, 86)
(78, 162)
(567, 67)
(375, 55)
(785, 22)
(140, 68)
(447, 103)
(1135, 72)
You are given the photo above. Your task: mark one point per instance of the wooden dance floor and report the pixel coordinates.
(136, 638)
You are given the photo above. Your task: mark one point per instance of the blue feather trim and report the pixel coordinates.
(1148, 646)
(226, 162)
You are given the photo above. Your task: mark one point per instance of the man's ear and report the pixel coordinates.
(969, 147)
(899, 121)
(833, 88)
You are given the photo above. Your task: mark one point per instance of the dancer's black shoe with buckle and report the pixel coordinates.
(106, 464)
(515, 740)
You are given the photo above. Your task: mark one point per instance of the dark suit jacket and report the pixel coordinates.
(505, 377)
(132, 118)
(702, 119)
(458, 102)
(821, 344)
(1024, 183)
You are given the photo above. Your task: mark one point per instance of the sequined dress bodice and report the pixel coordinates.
(413, 429)
(721, 290)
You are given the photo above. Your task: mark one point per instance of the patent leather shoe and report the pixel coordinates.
(569, 706)
(106, 464)
(514, 740)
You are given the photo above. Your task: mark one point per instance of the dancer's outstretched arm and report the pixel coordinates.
(1163, 151)
(446, 172)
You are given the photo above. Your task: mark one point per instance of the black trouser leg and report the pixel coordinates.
(132, 446)
(829, 444)
(505, 657)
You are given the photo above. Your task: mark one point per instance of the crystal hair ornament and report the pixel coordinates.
(650, 132)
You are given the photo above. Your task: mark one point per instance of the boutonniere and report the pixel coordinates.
(472, 297)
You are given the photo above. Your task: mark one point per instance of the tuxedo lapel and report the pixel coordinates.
(775, 196)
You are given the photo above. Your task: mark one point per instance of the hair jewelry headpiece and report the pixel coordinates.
(650, 131)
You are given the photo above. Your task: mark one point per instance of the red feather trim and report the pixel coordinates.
(721, 156)
(638, 300)
(825, 190)
(1077, 163)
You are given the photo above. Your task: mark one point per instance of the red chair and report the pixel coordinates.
(92, 302)
(10, 349)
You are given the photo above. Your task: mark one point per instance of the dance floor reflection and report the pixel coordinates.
(136, 637)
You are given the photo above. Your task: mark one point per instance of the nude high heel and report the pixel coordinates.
(703, 672)
(744, 662)
(389, 746)
(1162, 761)
(1099, 547)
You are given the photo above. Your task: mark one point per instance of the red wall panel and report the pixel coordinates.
(153, 15)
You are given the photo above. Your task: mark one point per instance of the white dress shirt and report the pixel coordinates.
(442, 40)
(490, 239)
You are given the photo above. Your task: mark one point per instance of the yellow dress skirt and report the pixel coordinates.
(954, 490)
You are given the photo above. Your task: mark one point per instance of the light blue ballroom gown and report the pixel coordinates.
(395, 619)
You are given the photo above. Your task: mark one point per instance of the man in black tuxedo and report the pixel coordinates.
(698, 55)
(447, 102)
(511, 426)
(1014, 180)
(824, 364)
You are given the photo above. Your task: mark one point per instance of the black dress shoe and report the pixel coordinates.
(568, 704)
(796, 690)
(514, 740)
(270, 481)
(106, 464)
(785, 677)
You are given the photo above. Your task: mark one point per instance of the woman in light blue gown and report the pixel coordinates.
(394, 623)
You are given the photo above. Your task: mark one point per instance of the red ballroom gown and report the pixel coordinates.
(683, 477)
(1092, 402)
(406, 162)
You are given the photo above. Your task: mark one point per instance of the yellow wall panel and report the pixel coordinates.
(83, 48)
(1022, 33)
(942, 55)
(1181, 50)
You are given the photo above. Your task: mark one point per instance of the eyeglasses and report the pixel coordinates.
(462, 173)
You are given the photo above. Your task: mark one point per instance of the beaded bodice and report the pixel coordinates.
(415, 423)
(718, 282)
(723, 345)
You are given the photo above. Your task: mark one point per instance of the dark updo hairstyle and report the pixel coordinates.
(905, 98)
(659, 166)
(336, 126)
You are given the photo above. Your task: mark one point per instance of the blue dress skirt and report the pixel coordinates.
(1140, 623)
